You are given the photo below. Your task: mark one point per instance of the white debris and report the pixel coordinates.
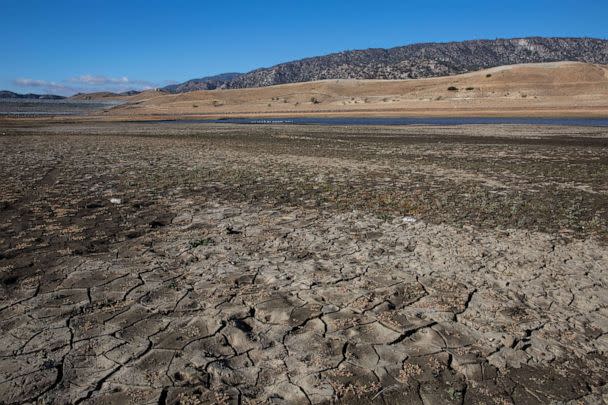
(115, 200)
(407, 220)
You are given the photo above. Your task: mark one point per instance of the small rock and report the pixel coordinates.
(408, 219)
(115, 200)
(231, 231)
(508, 341)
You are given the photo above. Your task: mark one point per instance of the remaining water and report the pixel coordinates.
(596, 122)
(35, 107)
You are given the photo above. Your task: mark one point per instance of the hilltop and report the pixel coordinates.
(101, 95)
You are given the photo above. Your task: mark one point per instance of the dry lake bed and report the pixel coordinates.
(232, 264)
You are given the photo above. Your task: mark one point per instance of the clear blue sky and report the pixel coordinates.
(65, 46)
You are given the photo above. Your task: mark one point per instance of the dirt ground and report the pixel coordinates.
(200, 263)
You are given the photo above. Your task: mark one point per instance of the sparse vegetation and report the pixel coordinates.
(439, 60)
(262, 233)
(452, 88)
(202, 242)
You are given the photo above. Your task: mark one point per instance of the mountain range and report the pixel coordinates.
(424, 60)
(411, 62)
(9, 94)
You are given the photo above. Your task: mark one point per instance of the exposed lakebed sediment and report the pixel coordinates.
(219, 264)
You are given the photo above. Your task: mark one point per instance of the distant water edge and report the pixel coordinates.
(345, 121)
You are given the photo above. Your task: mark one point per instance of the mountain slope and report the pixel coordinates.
(557, 89)
(428, 60)
(204, 83)
(411, 62)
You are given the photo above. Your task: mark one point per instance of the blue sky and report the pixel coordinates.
(64, 46)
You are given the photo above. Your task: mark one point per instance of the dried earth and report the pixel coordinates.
(158, 263)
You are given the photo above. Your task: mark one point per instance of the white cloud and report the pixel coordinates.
(85, 84)
(49, 87)
(30, 82)
(104, 80)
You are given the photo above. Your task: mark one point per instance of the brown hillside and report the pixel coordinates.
(548, 89)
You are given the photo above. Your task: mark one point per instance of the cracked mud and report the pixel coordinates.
(224, 264)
